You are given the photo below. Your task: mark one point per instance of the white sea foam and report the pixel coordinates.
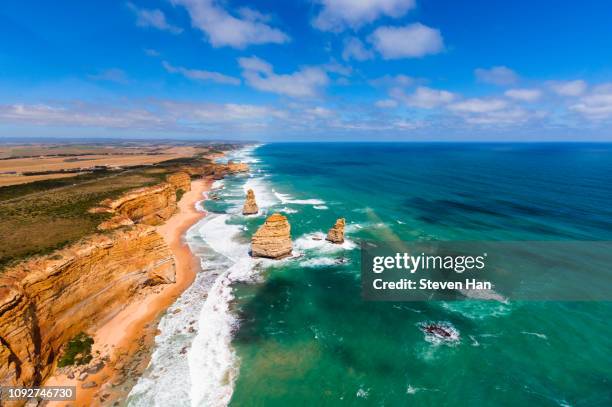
(320, 207)
(288, 199)
(352, 227)
(263, 193)
(218, 184)
(320, 262)
(536, 334)
(316, 241)
(288, 210)
(205, 375)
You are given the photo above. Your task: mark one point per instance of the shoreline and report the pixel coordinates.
(127, 336)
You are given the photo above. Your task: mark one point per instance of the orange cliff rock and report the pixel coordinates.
(219, 171)
(250, 205)
(234, 167)
(148, 205)
(336, 233)
(180, 180)
(273, 238)
(46, 301)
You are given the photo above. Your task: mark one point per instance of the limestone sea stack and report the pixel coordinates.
(273, 238)
(250, 205)
(336, 233)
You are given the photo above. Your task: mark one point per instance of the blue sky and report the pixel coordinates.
(410, 70)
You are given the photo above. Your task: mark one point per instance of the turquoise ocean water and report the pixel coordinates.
(296, 332)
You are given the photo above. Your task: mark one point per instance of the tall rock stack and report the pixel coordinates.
(250, 205)
(273, 238)
(336, 233)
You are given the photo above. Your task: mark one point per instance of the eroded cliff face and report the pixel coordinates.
(149, 205)
(47, 300)
(180, 180)
(273, 238)
(219, 171)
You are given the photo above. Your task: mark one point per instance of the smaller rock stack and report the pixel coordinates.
(250, 205)
(273, 238)
(336, 233)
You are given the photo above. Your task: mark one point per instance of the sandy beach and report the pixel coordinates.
(126, 337)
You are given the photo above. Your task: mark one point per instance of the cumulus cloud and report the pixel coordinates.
(81, 115)
(410, 41)
(153, 18)
(355, 49)
(495, 112)
(525, 95)
(386, 103)
(477, 105)
(393, 80)
(110, 75)
(568, 88)
(337, 15)
(200, 75)
(423, 97)
(306, 82)
(223, 29)
(156, 115)
(597, 105)
(497, 75)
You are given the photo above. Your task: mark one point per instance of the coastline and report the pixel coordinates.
(126, 337)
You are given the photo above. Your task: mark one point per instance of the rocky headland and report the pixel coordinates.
(45, 301)
(273, 238)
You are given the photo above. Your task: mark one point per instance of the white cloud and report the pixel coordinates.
(157, 115)
(423, 97)
(354, 49)
(386, 103)
(153, 18)
(568, 88)
(337, 15)
(397, 80)
(526, 95)
(505, 117)
(597, 105)
(200, 75)
(497, 75)
(81, 115)
(497, 112)
(151, 52)
(223, 29)
(476, 105)
(411, 41)
(305, 82)
(110, 75)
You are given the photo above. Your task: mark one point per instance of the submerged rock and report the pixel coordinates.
(273, 238)
(250, 205)
(336, 233)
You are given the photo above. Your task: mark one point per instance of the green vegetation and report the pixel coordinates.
(40, 217)
(179, 194)
(77, 351)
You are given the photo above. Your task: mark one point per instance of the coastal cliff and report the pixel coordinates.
(180, 180)
(273, 238)
(150, 205)
(47, 300)
(250, 205)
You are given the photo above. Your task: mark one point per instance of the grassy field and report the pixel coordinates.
(30, 163)
(39, 217)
